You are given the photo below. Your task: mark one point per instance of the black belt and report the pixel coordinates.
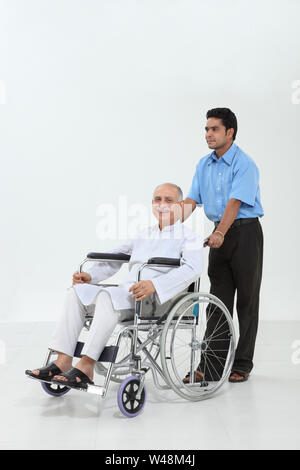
(238, 222)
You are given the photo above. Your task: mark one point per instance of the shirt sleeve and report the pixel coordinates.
(101, 271)
(177, 279)
(245, 183)
(194, 192)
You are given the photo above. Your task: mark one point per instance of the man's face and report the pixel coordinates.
(165, 205)
(216, 134)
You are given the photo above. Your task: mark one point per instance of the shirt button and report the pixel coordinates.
(220, 174)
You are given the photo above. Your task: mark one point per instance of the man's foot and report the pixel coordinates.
(73, 378)
(238, 376)
(198, 377)
(85, 365)
(44, 373)
(63, 363)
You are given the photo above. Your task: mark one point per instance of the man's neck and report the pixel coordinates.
(162, 226)
(219, 152)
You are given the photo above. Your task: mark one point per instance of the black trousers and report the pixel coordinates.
(236, 268)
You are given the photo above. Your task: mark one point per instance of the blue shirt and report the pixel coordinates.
(234, 175)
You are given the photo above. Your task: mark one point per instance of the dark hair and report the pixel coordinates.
(228, 118)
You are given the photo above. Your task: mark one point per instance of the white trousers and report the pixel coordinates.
(67, 331)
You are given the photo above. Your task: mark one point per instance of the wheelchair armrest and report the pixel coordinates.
(165, 261)
(109, 256)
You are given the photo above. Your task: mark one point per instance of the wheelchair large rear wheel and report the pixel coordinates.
(197, 341)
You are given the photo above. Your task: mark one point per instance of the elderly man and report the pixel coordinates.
(167, 238)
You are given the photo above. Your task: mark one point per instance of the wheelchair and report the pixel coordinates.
(191, 332)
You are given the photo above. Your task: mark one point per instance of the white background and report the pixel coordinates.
(101, 99)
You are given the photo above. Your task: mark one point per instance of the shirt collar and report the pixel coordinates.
(168, 228)
(227, 157)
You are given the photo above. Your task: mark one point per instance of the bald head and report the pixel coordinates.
(169, 188)
(166, 205)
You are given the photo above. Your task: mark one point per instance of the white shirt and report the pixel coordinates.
(173, 241)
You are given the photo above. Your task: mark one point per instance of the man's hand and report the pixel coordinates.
(187, 207)
(142, 289)
(215, 240)
(81, 278)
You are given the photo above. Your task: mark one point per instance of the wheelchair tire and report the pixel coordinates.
(54, 390)
(129, 405)
(198, 332)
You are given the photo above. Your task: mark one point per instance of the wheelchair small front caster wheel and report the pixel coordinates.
(55, 390)
(128, 402)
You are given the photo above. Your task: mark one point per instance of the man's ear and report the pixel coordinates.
(230, 132)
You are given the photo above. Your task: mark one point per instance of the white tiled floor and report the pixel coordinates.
(263, 413)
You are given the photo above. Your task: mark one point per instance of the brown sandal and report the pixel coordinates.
(198, 377)
(244, 375)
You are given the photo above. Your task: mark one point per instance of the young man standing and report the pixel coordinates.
(226, 183)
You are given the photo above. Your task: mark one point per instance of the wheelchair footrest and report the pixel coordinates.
(96, 390)
(108, 354)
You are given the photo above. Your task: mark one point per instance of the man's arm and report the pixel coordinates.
(175, 280)
(216, 239)
(103, 270)
(188, 206)
(230, 213)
